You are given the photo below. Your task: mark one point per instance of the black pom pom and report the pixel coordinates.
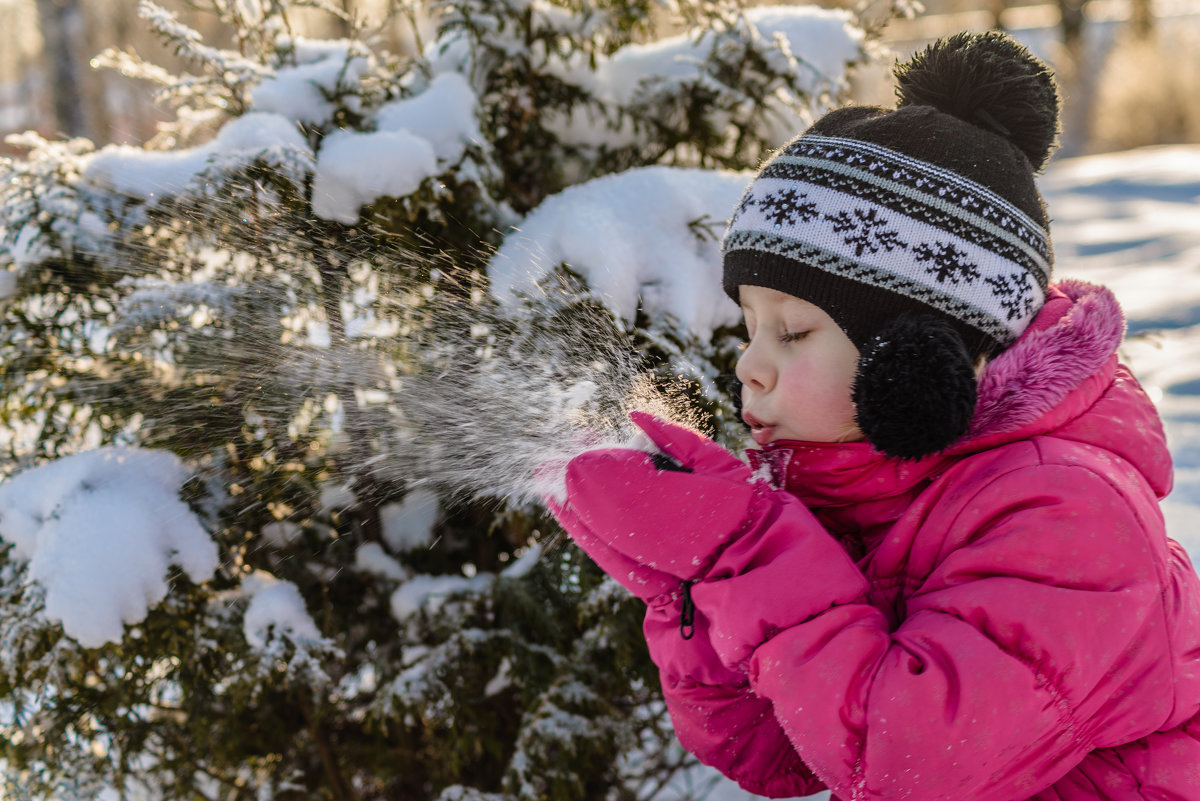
(991, 81)
(915, 389)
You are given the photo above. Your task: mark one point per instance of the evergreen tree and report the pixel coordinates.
(258, 292)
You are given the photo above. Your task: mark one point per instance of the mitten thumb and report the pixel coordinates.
(691, 449)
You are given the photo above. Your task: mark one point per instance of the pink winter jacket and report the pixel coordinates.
(1003, 621)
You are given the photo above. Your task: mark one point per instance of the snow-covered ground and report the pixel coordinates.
(1132, 222)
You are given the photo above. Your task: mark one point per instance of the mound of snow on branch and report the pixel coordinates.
(648, 236)
(813, 45)
(152, 174)
(429, 592)
(100, 531)
(409, 524)
(415, 139)
(276, 608)
(322, 69)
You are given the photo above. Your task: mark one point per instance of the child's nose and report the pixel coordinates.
(754, 370)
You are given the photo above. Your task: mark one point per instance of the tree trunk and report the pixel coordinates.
(64, 43)
(1141, 18)
(1071, 25)
(996, 8)
(1074, 78)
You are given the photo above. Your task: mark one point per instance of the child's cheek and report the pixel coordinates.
(822, 388)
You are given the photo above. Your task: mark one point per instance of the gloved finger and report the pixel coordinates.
(691, 449)
(671, 438)
(671, 521)
(549, 474)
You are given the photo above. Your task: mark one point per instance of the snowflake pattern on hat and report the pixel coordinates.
(785, 207)
(946, 262)
(869, 231)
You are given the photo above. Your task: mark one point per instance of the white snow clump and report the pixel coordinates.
(818, 45)
(409, 524)
(322, 67)
(99, 531)
(430, 592)
(647, 235)
(152, 173)
(415, 139)
(276, 608)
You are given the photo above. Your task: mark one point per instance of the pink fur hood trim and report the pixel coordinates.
(1073, 337)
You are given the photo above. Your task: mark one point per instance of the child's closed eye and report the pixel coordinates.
(786, 337)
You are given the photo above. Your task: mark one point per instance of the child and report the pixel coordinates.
(944, 574)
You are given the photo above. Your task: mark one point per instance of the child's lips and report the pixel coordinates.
(763, 435)
(760, 431)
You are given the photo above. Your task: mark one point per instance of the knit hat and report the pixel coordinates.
(919, 230)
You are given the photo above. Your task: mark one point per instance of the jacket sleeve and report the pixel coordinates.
(1025, 639)
(716, 716)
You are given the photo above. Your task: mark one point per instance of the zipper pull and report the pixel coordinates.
(687, 616)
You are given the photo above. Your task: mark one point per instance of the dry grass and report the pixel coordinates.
(1148, 93)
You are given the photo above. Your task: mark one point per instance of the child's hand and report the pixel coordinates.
(691, 658)
(644, 582)
(670, 515)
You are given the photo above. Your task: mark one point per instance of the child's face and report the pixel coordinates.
(797, 371)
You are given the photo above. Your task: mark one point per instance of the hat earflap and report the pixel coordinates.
(915, 389)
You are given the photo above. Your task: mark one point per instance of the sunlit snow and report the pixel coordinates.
(649, 236)
(301, 91)
(100, 531)
(149, 174)
(828, 39)
(415, 139)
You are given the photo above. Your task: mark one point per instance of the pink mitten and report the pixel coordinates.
(644, 582)
(672, 515)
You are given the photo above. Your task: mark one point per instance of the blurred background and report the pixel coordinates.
(1129, 69)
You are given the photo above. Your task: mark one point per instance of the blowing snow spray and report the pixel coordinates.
(497, 409)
